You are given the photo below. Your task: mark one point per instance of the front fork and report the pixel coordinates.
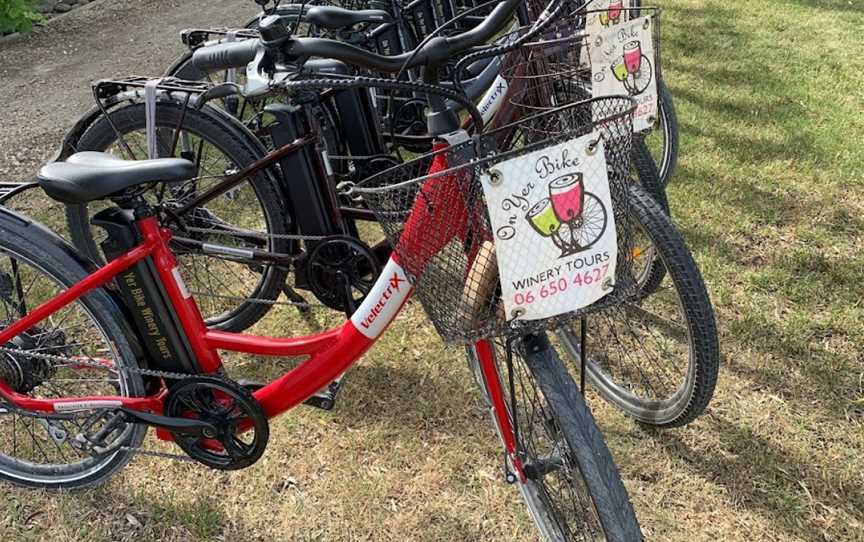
(500, 410)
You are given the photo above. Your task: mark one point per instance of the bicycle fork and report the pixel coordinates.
(500, 411)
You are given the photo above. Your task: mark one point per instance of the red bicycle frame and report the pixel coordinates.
(330, 353)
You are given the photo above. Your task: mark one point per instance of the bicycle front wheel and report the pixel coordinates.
(572, 488)
(655, 357)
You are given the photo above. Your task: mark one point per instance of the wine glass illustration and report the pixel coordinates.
(581, 212)
(615, 7)
(542, 218)
(633, 56)
(619, 70)
(633, 70)
(604, 18)
(567, 194)
(612, 13)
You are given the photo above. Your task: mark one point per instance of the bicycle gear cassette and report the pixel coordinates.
(23, 372)
(241, 428)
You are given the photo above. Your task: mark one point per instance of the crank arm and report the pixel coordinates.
(183, 426)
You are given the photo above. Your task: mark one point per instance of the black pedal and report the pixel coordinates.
(251, 385)
(326, 398)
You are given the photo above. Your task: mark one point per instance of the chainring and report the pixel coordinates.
(242, 430)
(339, 267)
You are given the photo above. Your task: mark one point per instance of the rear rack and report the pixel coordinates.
(9, 190)
(108, 88)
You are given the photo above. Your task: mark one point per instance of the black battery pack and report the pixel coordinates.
(159, 330)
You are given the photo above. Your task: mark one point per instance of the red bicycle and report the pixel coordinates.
(90, 358)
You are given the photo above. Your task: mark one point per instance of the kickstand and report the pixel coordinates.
(302, 305)
(583, 340)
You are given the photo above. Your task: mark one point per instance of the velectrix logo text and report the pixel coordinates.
(379, 306)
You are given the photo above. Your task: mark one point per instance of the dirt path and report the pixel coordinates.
(45, 77)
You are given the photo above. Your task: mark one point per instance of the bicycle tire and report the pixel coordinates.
(651, 276)
(586, 448)
(237, 146)
(669, 124)
(35, 246)
(689, 398)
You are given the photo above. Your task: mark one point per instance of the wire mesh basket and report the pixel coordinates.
(547, 67)
(434, 212)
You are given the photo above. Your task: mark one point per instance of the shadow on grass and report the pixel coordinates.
(777, 484)
(792, 361)
(404, 399)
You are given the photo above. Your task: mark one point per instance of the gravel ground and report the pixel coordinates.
(45, 77)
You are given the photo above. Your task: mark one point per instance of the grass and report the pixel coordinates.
(770, 194)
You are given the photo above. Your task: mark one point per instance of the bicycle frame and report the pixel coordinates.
(330, 353)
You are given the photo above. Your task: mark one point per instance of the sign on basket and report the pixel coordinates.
(605, 14)
(622, 62)
(555, 241)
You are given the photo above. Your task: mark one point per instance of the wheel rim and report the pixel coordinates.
(627, 348)
(559, 501)
(236, 219)
(31, 448)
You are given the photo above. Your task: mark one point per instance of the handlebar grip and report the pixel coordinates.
(223, 56)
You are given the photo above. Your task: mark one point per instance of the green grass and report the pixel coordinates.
(770, 194)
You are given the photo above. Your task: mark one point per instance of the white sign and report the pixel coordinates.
(551, 214)
(604, 14)
(622, 62)
(607, 14)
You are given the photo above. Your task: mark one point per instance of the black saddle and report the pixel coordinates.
(334, 18)
(89, 176)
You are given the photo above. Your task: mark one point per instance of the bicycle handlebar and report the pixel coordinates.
(433, 53)
(223, 56)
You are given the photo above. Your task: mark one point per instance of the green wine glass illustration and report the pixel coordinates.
(542, 218)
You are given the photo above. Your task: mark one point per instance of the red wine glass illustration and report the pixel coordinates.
(615, 7)
(566, 194)
(633, 56)
(582, 214)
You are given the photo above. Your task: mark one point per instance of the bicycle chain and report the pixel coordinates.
(255, 234)
(137, 370)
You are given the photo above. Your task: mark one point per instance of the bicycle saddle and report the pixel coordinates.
(334, 18)
(89, 176)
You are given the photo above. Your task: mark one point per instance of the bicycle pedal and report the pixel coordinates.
(251, 385)
(326, 398)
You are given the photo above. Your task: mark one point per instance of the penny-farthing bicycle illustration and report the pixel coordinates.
(571, 217)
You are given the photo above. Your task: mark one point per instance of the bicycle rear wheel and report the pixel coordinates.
(232, 295)
(572, 488)
(83, 349)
